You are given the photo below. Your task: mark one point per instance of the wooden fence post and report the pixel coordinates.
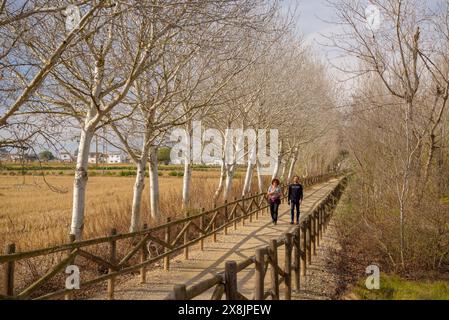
(214, 235)
(8, 280)
(113, 258)
(259, 289)
(321, 222)
(167, 238)
(249, 207)
(225, 230)
(179, 292)
(317, 227)
(235, 215)
(243, 211)
(258, 207)
(143, 258)
(309, 240)
(304, 249)
(312, 234)
(288, 266)
(231, 280)
(274, 269)
(202, 227)
(314, 237)
(186, 238)
(297, 257)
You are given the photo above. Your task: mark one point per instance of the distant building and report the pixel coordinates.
(66, 157)
(116, 157)
(93, 156)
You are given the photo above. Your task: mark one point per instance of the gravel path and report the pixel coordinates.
(237, 245)
(322, 280)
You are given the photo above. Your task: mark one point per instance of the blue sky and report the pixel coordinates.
(311, 12)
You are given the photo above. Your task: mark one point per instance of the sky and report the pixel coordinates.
(313, 24)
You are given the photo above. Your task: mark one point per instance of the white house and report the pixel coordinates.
(116, 157)
(66, 157)
(93, 156)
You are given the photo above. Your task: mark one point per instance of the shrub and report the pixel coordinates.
(127, 173)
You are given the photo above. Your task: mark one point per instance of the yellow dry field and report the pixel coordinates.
(34, 215)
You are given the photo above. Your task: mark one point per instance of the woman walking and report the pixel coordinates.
(274, 198)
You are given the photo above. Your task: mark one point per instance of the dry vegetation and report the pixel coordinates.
(32, 215)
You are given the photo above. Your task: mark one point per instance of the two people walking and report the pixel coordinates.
(295, 197)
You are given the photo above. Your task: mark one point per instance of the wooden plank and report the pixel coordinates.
(8, 277)
(180, 234)
(143, 257)
(259, 274)
(51, 273)
(97, 260)
(218, 292)
(180, 292)
(202, 286)
(231, 280)
(166, 249)
(113, 258)
(274, 269)
(288, 266)
(134, 250)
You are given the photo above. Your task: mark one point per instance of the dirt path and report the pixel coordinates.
(237, 245)
(322, 280)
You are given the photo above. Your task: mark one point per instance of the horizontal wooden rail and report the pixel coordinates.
(310, 230)
(166, 240)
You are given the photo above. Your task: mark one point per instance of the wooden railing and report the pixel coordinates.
(143, 248)
(299, 247)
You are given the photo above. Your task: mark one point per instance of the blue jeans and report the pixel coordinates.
(274, 207)
(293, 205)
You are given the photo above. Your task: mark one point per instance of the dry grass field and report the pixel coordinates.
(33, 215)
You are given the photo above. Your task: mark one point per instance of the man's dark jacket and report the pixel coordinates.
(295, 192)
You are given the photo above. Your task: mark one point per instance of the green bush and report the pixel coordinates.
(176, 174)
(127, 173)
(173, 173)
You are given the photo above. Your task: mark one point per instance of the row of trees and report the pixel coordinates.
(397, 129)
(143, 68)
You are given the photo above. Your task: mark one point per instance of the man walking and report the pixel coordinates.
(295, 196)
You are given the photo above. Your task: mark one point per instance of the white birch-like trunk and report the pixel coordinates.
(139, 186)
(278, 163)
(230, 169)
(284, 166)
(154, 185)
(80, 183)
(259, 178)
(248, 178)
(276, 169)
(187, 178)
(292, 164)
(219, 189)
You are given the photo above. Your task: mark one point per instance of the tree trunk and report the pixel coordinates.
(80, 182)
(292, 164)
(248, 178)
(221, 182)
(284, 166)
(139, 186)
(259, 177)
(230, 168)
(154, 185)
(187, 178)
(278, 162)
